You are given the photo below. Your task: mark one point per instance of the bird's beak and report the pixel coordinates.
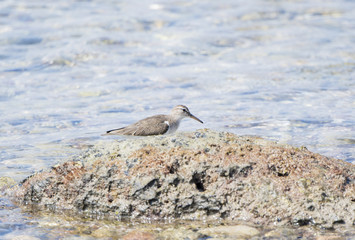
(193, 117)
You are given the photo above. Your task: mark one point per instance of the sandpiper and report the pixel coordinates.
(156, 125)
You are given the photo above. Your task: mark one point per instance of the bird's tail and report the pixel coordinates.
(113, 132)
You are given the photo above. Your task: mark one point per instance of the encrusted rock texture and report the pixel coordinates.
(199, 175)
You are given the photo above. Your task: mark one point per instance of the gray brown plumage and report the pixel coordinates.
(156, 125)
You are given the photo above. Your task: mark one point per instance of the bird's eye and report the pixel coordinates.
(184, 110)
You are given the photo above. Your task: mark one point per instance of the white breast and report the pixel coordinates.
(172, 126)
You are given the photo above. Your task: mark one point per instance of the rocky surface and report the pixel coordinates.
(200, 175)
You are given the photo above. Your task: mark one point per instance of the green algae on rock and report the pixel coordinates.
(199, 175)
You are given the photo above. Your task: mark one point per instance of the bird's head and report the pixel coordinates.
(181, 111)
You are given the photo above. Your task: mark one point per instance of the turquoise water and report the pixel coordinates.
(70, 70)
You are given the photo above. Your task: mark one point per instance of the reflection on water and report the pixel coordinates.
(71, 70)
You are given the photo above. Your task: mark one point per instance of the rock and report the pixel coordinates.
(279, 233)
(203, 175)
(102, 232)
(236, 231)
(139, 235)
(330, 237)
(176, 233)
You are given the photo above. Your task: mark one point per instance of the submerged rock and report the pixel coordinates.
(200, 175)
(5, 183)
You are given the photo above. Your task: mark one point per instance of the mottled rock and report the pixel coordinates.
(200, 175)
(237, 231)
(280, 233)
(330, 237)
(182, 233)
(139, 235)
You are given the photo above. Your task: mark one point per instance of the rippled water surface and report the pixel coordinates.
(70, 70)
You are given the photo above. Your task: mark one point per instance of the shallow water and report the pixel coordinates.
(70, 70)
(34, 225)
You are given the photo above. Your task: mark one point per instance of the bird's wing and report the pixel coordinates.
(155, 125)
